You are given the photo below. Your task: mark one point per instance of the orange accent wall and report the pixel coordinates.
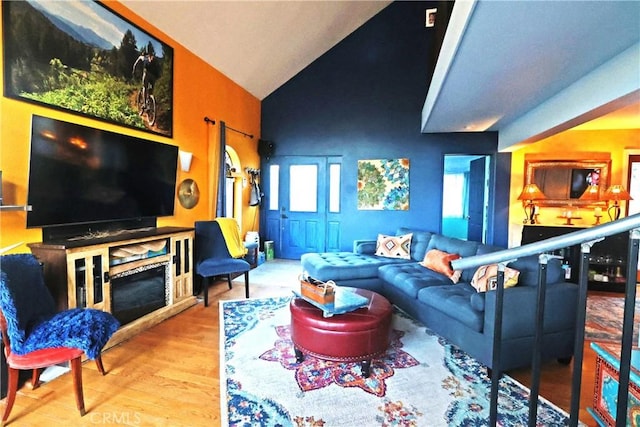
(199, 91)
(608, 141)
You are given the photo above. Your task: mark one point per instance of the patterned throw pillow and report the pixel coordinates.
(394, 246)
(486, 277)
(440, 262)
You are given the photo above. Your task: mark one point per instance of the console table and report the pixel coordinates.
(79, 272)
(607, 259)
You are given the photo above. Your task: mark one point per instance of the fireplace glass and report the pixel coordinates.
(137, 292)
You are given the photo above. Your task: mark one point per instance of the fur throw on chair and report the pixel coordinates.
(32, 322)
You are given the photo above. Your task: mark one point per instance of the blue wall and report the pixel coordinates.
(363, 100)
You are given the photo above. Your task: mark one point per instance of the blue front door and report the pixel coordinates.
(296, 205)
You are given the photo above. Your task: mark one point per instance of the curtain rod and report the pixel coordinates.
(239, 131)
(213, 122)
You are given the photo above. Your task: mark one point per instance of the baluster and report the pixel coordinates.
(534, 390)
(578, 347)
(496, 367)
(627, 329)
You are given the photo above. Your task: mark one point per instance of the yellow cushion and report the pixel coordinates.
(440, 262)
(486, 277)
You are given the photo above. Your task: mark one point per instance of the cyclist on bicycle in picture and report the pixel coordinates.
(148, 77)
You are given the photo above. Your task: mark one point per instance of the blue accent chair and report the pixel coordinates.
(35, 336)
(213, 258)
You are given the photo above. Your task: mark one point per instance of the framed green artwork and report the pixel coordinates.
(81, 57)
(383, 184)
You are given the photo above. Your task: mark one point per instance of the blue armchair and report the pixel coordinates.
(213, 256)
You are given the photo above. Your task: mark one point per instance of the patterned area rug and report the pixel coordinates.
(604, 318)
(421, 381)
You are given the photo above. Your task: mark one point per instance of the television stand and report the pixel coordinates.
(83, 273)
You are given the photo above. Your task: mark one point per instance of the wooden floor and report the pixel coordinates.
(169, 376)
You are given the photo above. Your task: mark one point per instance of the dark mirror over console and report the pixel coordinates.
(564, 182)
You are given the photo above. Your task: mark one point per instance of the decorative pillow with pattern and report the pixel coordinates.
(440, 262)
(486, 277)
(394, 246)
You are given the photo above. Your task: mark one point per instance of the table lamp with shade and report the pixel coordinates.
(615, 193)
(530, 193)
(592, 193)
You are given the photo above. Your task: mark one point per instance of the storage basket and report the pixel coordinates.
(316, 290)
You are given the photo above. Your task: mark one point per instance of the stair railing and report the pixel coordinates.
(585, 238)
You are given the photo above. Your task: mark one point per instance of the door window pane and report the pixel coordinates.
(303, 188)
(454, 186)
(274, 185)
(334, 187)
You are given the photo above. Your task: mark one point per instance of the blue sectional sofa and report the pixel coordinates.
(458, 312)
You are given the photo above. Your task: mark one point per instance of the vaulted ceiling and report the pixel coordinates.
(526, 69)
(259, 45)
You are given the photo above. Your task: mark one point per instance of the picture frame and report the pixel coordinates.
(87, 69)
(430, 18)
(383, 184)
(555, 178)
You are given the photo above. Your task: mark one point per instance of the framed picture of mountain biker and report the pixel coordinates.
(82, 57)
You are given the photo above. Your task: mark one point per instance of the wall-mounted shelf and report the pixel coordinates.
(26, 208)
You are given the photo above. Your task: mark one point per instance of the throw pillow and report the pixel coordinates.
(394, 246)
(486, 277)
(440, 262)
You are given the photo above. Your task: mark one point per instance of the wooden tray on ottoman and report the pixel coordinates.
(316, 290)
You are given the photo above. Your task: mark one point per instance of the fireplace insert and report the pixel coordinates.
(139, 291)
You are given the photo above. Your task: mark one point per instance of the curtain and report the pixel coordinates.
(221, 188)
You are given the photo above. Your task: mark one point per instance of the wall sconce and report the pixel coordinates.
(615, 193)
(185, 160)
(530, 193)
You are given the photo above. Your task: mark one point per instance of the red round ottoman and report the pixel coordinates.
(357, 336)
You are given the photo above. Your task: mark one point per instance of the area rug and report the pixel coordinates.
(422, 380)
(604, 318)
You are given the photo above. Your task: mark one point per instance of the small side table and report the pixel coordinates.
(606, 388)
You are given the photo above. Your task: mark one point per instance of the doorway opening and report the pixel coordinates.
(466, 186)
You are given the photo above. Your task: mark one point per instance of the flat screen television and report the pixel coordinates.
(581, 179)
(82, 175)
